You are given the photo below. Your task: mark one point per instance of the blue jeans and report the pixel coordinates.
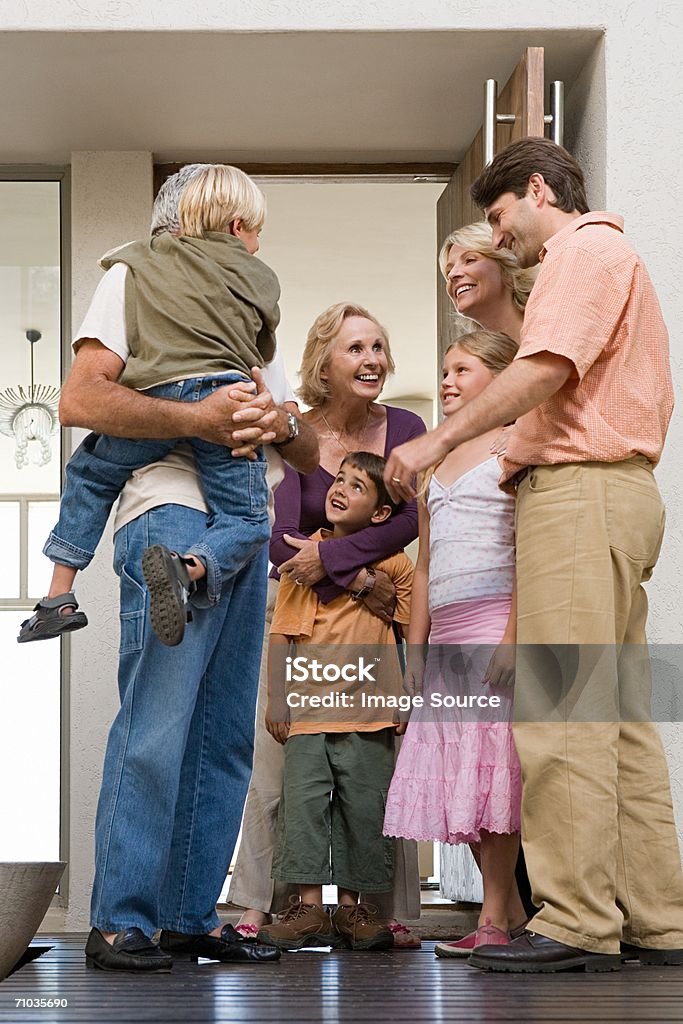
(235, 490)
(179, 753)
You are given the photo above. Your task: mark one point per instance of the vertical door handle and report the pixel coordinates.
(492, 118)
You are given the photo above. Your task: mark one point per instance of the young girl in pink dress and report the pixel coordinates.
(457, 779)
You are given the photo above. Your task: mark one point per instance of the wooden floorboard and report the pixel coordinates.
(396, 987)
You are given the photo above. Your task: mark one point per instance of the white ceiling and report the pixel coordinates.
(401, 96)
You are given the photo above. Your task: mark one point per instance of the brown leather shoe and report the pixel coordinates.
(300, 925)
(358, 928)
(532, 953)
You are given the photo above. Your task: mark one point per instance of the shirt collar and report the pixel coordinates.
(613, 220)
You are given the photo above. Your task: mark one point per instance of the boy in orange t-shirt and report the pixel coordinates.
(342, 686)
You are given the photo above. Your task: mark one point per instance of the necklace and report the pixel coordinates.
(338, 439)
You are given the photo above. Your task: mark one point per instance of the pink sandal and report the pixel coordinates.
(247, 931)
(403, 937)
(485, 935)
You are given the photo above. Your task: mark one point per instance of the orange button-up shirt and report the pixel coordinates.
(594, 303)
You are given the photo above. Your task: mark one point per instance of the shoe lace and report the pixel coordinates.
(361, 914)
(294, 911)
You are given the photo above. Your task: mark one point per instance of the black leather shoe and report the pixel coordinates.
(535, 954)
(229, 948)
(130, 951)
(652, 957)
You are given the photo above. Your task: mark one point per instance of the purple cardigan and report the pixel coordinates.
(300, 511)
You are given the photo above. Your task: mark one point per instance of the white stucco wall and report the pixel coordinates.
(111, 201)
(622, 126)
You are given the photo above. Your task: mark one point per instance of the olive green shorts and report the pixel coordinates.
(332, 811)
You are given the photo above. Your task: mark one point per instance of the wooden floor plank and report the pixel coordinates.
(407, 986)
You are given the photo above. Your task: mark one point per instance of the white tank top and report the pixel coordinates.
(471, 537)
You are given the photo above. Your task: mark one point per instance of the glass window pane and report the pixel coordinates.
(30, 301)
(29, 746)
(42, 516)
(10, 585)
(30, 372)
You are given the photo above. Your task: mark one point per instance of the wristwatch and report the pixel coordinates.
(293, 426)
(367, 586)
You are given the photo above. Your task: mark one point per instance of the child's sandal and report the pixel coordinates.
(404, 938)
(49, 622)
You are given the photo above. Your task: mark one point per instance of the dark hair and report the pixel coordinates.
(374, 466)
(511, 169)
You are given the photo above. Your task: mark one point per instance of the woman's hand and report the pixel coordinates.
(381, 600)
(501, 668)
(305, 568)
(414, 671)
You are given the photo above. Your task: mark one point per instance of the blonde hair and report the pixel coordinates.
(215, 197)
(319, 341)
(496, 350)
(477, 238)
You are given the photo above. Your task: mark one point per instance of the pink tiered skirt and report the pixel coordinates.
(454, 775)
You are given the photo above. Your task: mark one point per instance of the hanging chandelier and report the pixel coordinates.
(30, 415)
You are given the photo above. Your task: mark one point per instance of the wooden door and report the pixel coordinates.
(522, 96)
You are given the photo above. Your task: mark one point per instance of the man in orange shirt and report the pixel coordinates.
(590, 391)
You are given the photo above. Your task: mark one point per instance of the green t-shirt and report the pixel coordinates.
(195, 307)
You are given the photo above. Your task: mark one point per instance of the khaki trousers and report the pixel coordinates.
(251, 885)
(598, 828)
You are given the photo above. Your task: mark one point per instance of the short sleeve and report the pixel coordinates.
(106, 316)
(574, 309)
(295, 609)
(276, 378)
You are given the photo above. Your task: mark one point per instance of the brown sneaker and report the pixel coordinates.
(359, 929)
(300, 925)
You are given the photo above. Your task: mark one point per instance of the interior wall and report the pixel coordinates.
(369, 243)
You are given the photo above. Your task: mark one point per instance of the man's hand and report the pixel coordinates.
(305, 567)
(254, 422)
(407, 460)
(524, 384)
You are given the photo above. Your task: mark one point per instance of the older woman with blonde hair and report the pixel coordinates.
(345, 364)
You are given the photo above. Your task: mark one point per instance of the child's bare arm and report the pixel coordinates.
(277, 711)
(420, 621)
(501, 668)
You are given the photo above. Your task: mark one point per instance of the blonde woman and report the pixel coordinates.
(485, 284)
(345, 364)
